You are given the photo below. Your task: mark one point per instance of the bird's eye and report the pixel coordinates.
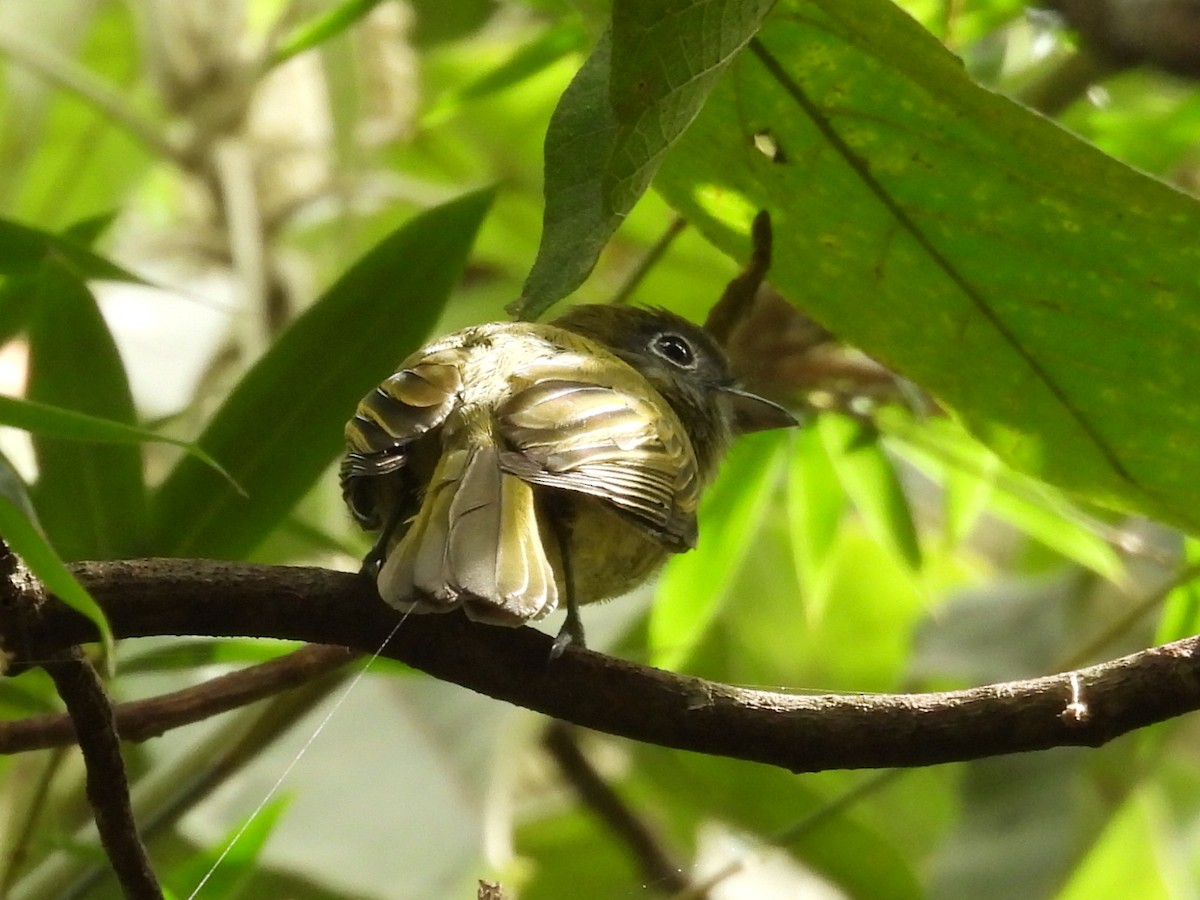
(674, 348)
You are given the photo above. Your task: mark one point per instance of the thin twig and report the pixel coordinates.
(140, 720)
(107, 786)
(659, 869)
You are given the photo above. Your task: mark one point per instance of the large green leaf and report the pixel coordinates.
(1046, 292)
(641, 87)
(91, 499)
(282, 425)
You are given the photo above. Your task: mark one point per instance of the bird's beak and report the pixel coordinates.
(753, 413)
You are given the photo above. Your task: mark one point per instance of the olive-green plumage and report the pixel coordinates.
(509, 463)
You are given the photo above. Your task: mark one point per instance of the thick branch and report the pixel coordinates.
(800, 733)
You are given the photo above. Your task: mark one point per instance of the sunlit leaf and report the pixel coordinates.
(1041, 289)
(965, 496)
(320, 28)
(196, 652)
(1181, 610)
(1030, 506)
(545, 49)
(870, 479)
(771, 803)
(1023, 816)
(816, 504)
(282, 425)
(1129, 853)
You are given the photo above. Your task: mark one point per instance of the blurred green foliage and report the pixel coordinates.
(221, 223)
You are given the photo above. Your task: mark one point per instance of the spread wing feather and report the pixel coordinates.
(610, 444)
(409, 404)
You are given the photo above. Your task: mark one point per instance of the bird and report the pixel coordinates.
(511, 464)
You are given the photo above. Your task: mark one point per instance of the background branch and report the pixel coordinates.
(659, 870)
(139, 720)
(801, 733)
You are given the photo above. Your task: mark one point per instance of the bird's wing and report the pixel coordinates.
(409, 404)
(597, 439)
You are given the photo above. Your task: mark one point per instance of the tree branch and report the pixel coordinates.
(801, 733)
(107, 785)
(660, 871)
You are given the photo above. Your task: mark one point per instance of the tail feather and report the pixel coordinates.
(475, 543)
(412, 575)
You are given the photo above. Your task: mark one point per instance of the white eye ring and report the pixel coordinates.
(675, 349)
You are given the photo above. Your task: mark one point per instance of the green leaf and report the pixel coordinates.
(1181, 610)
(1041, 289)
(965, 497)
(87, 231)
(438, 21)
(19, 291)
(91, 500)
(282, 425)
(641, 87)
(1130, 852)
(769, 803)
(1022, 815)
(532, 58)
(816, 504)
(1032, 507)
(570, 848)
(226, 873)
(693, 586)
(23, 250)
(16, 305)
(194, 653)
(321, 28)
(56, 422)
(20, 535)
(13, 486)
(870, 479)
